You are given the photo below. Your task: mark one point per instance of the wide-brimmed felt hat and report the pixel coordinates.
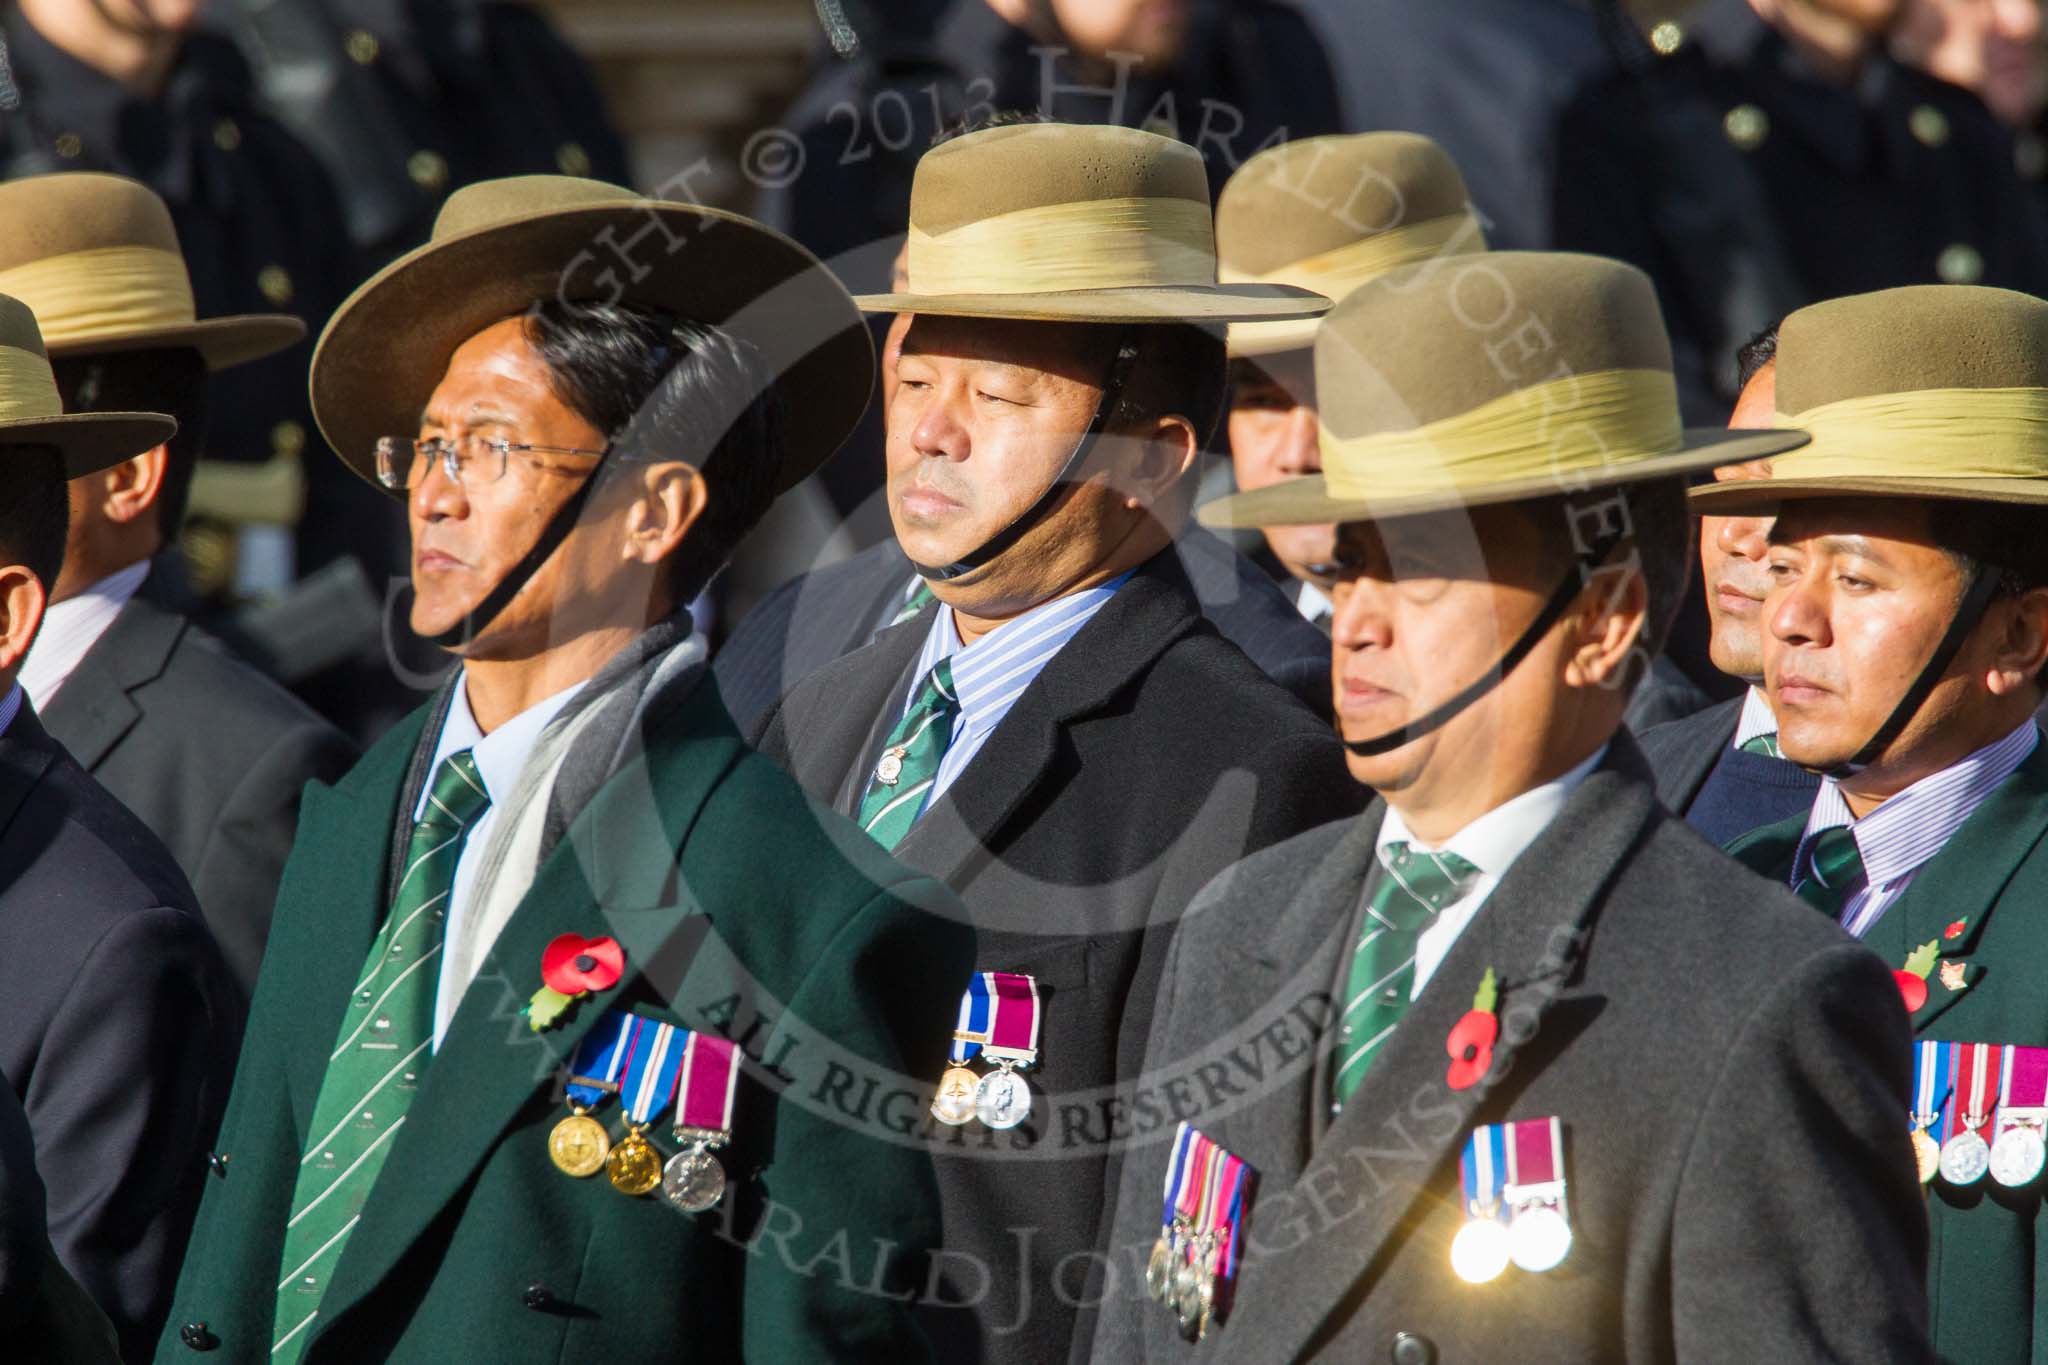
(32, 414)
(1061, 222)
(1492, 378)
(97, 258)
(1331, 213)
(499, 247)
(1930, 391)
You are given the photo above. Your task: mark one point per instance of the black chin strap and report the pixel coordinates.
(1560, 601)
(1969, 612)
(479, 617)
(1112, 394)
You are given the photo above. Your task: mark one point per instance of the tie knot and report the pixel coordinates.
(1837, 861)
(1434, 880)
(457, 796)
(938, 693)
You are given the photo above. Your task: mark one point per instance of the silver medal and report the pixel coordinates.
(1002, 1100)
(2017, 1156)
(1964, 1158)
(693, 1181)
(1159, 1271)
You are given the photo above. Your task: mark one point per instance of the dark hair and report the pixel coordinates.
(662, 387)
(35, 513)
(1182, 368)
(1755, 353)
(1656, 523)
(171, 380)
(2003, 538)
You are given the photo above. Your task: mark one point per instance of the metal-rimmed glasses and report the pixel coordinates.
(468, 461)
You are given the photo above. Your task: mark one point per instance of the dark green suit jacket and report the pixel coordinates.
(759, 915)
(1988, 1259)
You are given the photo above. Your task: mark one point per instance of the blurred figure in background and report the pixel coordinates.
(205, 749)
(1758, 155)
(1994, 50)
(417, 99)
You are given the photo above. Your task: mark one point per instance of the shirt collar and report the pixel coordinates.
(1756, 718)
(992, 671)
(502, 753)
(1493, 841)
(10, 707)
(1913, 826)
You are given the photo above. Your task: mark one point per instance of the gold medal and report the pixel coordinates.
(954, 1103)
(1926, 1155)
(579, 1145)
(634, 1167)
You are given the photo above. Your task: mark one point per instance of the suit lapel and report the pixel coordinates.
(1151, 611)
(1404, 1124)
(833, 730)
(614, 873)
(93, 709)
(1710, 733)
(1961, 885)
(26, 752)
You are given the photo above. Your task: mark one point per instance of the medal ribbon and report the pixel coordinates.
(1176, 1173)
(1234, 1214)
(1193, 1178)
(1213, 1160)
(1931, 1086)
(654, 1059)
(1013, 1033)
(1535, 1148)
(1482, 1169)
(711, 1078)
(976, 1008)
(1977, 1067)
(597, 1058)
(2026, 1078)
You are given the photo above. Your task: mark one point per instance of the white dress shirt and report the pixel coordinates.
(1756, 718)
(72, 627)
(499, 756)
(1313, 603)
(1491, 843)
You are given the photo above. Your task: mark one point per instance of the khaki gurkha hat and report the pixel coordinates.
(1061, 222)
(31, 413)
(97, 258)
(1331, 213)
(1931, 391)
(500, 247)
(1492, 378)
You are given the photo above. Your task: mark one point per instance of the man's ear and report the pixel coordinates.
(1605, 624)
(2022, 642)
(671, 498)
(22, 600)
(1166, 452)
(129, 489)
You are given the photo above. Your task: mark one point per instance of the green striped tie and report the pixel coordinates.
(916, 603)
(1413, 887)
(1767, 745)
(1834, 871)
(378, 1056)
(910, 760)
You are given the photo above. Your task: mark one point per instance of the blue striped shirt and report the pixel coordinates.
(990, 674)
(1898, 838)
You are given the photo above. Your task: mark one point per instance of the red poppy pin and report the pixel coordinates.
(1471, 1042)
(572, 967)
(1955, 929)
(1913, 980)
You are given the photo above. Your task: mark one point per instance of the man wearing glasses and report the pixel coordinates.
(472, 1120)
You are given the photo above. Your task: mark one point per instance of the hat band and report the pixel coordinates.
(1923, 434)
(1128, 243)
(1580, 424)
(106, 291)
(28, 390)
(1340, 270)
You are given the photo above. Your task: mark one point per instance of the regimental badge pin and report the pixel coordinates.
(1954, 975)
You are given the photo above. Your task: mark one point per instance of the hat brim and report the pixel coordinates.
(222, 343)
(1251, 339)
(1745, 497)
(88, 442)
(388, 345)
(1151, 304)
(1308, 501)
